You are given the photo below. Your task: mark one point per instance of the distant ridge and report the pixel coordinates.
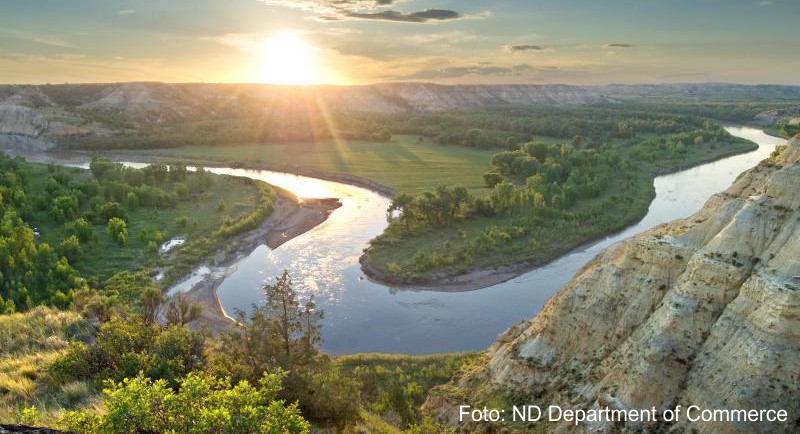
(40, 116)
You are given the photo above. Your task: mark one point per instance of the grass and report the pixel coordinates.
(29, 342)
(103, 256)
(408, 164)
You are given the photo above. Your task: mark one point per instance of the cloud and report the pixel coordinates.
(336, 10)
(765, 3)
(617, 46)
(521, 48)
(126, 12)
(413, 17)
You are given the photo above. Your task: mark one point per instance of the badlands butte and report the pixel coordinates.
(701, 311)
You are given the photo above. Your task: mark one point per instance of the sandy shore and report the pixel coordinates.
(478, 278)
(470, 281)
(290, 219)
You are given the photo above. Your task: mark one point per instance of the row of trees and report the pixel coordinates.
(510, 127)
(254, 122)
(443, 205)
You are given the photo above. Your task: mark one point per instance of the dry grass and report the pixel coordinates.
(29, 343)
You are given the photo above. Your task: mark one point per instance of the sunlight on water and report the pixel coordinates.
(362, 316)
(301, 186)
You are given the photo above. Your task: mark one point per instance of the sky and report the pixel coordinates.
(367, 41)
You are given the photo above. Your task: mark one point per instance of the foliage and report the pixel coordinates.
(788, 130)
(201, 404)
(544, 195)
(124, 348)
(118, 230)
(283, 335)
(395, 386)
(51, 242)
(31, 272)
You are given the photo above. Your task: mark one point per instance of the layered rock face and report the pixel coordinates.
(703, 311)
(789, 115)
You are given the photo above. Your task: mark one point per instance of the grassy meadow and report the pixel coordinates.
(409, 164)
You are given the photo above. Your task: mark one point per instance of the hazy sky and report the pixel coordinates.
(366, 41)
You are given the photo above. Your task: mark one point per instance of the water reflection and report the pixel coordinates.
(361, 315)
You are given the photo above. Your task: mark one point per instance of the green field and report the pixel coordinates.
(406, 163)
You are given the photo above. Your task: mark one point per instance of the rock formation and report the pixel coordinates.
(789, 115)
(702, 311)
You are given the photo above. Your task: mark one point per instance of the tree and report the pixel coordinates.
(132, 200)
(81, 229)
(180, 310)
(102, 166)
(111, 210)
(399, 209)
(492, 178)
(151, 299)
(70, 247)
(282, 305)
(118, 230)
(283, 334)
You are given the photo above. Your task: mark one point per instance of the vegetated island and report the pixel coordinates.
(544, 197)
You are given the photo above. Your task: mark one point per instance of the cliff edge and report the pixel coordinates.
(701, 311)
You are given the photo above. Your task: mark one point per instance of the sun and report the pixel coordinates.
(288, 59)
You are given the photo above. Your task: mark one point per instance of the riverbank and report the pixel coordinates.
(475, 279)
(452, 279)
(291, 217)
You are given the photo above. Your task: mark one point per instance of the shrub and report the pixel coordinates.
(202, 404)
(118, 230)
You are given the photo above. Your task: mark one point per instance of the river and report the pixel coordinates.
(364, 316)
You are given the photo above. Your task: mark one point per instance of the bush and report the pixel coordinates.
(81, 229)
(118, 230)
(202, 404)
(70, 248)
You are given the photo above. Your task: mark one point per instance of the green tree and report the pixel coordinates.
(283, 334)
(81, 229)
(400, 209)
(70, 247)
(118, 230)
(492, 178)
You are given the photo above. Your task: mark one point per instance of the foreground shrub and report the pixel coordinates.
(202, 404)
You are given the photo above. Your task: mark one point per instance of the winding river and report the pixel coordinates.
(364, 316)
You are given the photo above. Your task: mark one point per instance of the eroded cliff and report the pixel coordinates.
(702, 311)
